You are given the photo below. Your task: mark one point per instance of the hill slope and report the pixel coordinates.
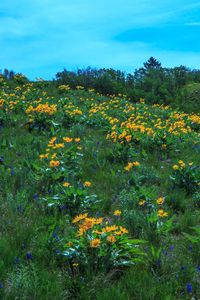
(96, 190)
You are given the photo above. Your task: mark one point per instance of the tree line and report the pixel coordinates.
(178, 86)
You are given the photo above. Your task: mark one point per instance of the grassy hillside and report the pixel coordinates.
(99, 197)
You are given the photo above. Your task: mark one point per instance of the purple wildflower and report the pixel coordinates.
(189, 288)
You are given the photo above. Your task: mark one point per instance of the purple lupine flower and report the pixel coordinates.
(54, 234)
(29, 256)
(35, 196)
(189, 288)
(190, 248)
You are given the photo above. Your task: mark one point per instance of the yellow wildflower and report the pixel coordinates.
(123, 230)
(66, 184)
(175, 167)
(54, 163)
(136, 163)
(54, 155)
(95, 243)
(43, 155)
(128, 138)
(142, 202)
(128, 167)
(181, 164)
(79, 218)
(87, 184)
(117, 213)
(110, 228)
(162, 213)
(160, 200)
(77, 140)
(67, 139)
(111, 238)
(75, 264)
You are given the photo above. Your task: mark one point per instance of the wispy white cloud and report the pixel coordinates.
(193, 24)
(44, 36)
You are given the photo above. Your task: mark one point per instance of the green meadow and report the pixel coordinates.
(99, 196)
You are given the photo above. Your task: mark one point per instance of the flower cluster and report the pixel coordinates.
(181, 165)
(186, 175)
(56, 155)
(158, 124)
(130, 165)
(105, 237)
(42, 108)
(64, 87)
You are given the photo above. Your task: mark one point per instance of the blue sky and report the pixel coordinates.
(40, 37)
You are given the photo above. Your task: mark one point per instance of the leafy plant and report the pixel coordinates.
(98, 244)
(186, 176)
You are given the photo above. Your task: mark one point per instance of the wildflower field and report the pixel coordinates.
(99, 196)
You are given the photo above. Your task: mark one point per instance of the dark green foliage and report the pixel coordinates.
(178, 86)
(189, 97)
